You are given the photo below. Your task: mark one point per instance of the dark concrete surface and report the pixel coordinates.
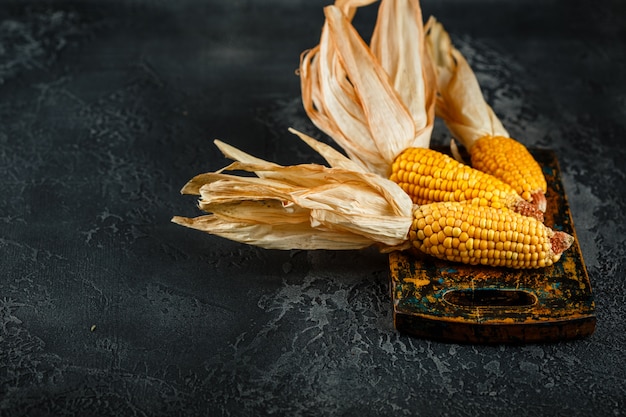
(106, 308)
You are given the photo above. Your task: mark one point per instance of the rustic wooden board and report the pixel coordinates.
(476, 304)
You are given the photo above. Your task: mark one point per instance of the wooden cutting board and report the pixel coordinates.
(477, 304)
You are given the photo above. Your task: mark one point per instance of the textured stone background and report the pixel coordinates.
(108, 107)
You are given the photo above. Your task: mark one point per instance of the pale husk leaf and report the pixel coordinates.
(349, 7)
(256, 211)
(398, 44)
(274, 236)
(332, 156)
(460, 102)
(305, 206)
(331, 104)
(347, 94)
(387, 117)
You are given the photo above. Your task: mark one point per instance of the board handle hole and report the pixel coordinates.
(490, 297)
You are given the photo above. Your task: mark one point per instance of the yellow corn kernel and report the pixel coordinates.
(529, 245)
(510, 161)
(429, 176)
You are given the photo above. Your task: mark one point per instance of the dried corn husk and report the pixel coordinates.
(460, 102)
(398, 43)
(306, 206)
(372, 112)
(349, 7)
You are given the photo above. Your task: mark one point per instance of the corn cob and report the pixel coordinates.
(472, 121)
(429, 176)
(315, 207)
(474, 234)
(372, 123)
(510, 161)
